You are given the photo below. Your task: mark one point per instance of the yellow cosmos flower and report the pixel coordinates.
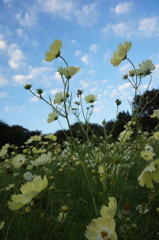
(110, 211)
(156, 135)
(149, 174)
(29, 190)
(155, 114)
(52, 117)
(147, 155)
(91, 98)
(101, 229)
(68, 72)
(121, 53)
(54, 51)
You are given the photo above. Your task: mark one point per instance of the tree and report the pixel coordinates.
(146, 104)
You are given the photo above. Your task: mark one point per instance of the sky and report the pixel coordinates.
(90, 32)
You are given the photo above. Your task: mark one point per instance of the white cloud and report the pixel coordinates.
(74, 42)
(124, 68)
(34, 99)
(27, 19)
(87, 83)
(149, 26)
(3, 81)
(42, 74)
(91, 71)
(93, 48)
(121, 29)
(85, 59)
(77, 53)
(15, 109)
(93, 89)
(57, 77)
(3, 94)
(105, 81)
(123, 8)
(70, 10)
(56, 90)
(98, 109)
(107, 55)
(3, 45)
(124, 86)
(16, 56)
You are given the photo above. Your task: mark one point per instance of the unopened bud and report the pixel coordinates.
(27, 86)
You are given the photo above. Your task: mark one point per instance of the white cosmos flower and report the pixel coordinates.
(145, 68)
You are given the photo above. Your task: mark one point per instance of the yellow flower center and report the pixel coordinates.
(104, 234)
(20, 161)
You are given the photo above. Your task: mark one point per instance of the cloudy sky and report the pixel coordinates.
(90, 31)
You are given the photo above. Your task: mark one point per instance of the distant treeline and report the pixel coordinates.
(146, 104)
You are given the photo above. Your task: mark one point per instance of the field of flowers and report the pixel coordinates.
(98, 189)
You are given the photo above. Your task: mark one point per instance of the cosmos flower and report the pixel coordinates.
(101, 229)
(155, 114)
(52, 117)
(54, 51)
(18, 160)
(145, 68)
(29, 191)
(59, 98)
(147, 155)
(91, 98)
(40, 161)
(110, 211)
(121, 53)
(149, 174)
(68, 72)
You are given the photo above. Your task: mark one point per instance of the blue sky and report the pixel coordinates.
(90, 32)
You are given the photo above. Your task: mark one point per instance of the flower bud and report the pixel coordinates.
(125, 76)
(118, 102)
(27, 86)
(132, 73)
(79, 92)
(39, 91)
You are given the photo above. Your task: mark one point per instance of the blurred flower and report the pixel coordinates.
(151, 172)
(35, 138)
(142, 208)
(101, 169)
(68, 71)
(54, 51)
(51, 137)
(155, 114)
(28, 176)
(110, 211)
(147, 155)
(64, 208)
(18, 160)
(52, 117)
(29, 191)
(145, 68)
(125, 135)
(101, 229)
(59, 98)
(156, 135)
(40, 161)
(91, 98)
(121, 53)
